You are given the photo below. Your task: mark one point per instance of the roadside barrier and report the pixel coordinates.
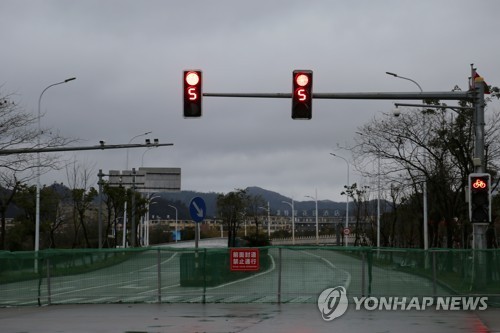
(284, 274)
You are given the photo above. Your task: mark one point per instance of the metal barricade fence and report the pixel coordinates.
(287, 274)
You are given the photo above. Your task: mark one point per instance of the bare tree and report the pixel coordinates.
(82, 196)
(17, 129)
(231, 207)
(428, 146)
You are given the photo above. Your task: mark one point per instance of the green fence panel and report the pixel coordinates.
(287, 274)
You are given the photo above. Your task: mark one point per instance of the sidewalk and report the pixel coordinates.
(248, 318)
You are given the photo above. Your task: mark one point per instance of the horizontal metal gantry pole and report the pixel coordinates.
(97, 147)
(442, 106)
(441, 95)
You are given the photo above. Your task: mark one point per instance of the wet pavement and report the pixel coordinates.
(247, 318)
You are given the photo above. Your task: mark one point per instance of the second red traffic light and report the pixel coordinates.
(302, 94)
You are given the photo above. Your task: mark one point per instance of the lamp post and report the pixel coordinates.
(130, 141)
(268, 209)
(37, 208)
(145, 227)
(424, 185)
(144, 153)
(317, 224)
(347, 196)
(125, 204)
(291, 204)
(175, 221)
(405, 78)
(378, 193)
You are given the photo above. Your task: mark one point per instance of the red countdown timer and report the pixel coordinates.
(192, 93)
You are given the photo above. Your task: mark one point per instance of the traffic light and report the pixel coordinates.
(479, 198)
(192, 93)
(302, 94)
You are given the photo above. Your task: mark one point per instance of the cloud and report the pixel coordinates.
(128, 57)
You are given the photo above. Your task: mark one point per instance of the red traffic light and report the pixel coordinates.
(192, 78)
(192, 93)
(479, 198)
(302, 94)
(302, 80)
(478, 184)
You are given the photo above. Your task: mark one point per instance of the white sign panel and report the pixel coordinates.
(148, 179)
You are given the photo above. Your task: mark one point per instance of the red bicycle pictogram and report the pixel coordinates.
(479, 183)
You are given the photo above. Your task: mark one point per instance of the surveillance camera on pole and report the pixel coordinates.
(396, 112)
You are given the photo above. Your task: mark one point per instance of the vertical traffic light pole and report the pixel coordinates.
(479, 162)
(479, 229)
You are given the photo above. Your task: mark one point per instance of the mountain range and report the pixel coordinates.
(182, 199)
(163, 203)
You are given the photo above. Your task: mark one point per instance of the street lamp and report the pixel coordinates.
(347, 197)
(144, 153)
(291, 204)
(405, 78)
(424, 190)
(37, 213)
(149, 201)
(125, 204)
(317, 224)
(130, 141)
(378, 193)
(268, 209)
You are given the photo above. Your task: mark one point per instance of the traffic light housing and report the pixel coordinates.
(480, 197)
(192, 93)
(302, 94)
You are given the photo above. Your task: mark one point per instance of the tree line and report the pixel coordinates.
(426, 149)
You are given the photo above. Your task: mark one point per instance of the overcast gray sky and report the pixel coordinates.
(128, 57)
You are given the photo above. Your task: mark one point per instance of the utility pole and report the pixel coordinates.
(99, 219)
(132, 225)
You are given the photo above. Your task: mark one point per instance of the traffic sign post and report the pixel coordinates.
(346, 232)
(198, 211)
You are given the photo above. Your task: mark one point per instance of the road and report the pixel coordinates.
(247, 305)
(303, 274)
(248, 318)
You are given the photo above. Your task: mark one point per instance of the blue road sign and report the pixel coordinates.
(197, 209)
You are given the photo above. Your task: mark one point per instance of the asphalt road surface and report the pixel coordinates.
(246, 318)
